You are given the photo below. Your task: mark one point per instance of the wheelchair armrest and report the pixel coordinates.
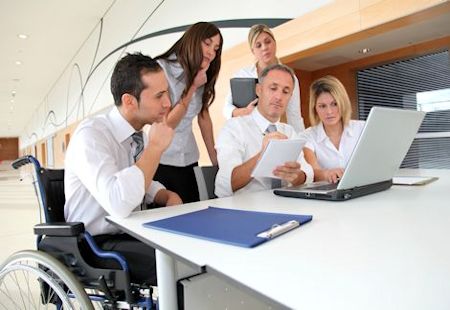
(59, 229)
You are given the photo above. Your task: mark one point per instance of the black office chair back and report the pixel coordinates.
(53, 198)
(206, 178)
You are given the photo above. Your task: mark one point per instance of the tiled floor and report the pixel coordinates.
(18, 211)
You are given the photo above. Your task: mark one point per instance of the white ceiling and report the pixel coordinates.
(43, 55)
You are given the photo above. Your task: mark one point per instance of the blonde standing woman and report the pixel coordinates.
(332, 135)
(264, 47)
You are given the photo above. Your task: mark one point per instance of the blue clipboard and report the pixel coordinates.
(236, 227)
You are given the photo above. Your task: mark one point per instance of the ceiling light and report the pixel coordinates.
(365, 50)
(22, 36)
(12, 100)
(13, 93)
(18, 62)
(11, 108)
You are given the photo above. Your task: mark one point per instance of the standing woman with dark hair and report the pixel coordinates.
(191, 66)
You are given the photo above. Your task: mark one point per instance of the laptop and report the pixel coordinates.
(379, 152)
(243, 91)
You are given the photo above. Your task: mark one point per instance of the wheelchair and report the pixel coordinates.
(68, 270)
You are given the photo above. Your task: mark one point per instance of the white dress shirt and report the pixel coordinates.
(239, 140)
(183, 150)
(327, 155)
(293, 115)
(100, 176)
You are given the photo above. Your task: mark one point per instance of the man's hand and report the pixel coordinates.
(160, 136)
(167, 198)
(333, 175)
(173, 199)
(272, 136)
(291, 173)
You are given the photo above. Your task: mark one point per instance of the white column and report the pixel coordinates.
(167, 285)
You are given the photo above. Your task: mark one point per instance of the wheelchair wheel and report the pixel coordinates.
(36, 280)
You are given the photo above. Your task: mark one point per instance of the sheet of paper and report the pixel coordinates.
(412, 180)
(276, 154)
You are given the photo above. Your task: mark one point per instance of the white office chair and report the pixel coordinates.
(206, 177)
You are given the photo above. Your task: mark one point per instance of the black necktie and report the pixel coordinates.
(276, 183)
(139, 140)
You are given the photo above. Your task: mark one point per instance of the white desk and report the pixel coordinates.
(389, 250)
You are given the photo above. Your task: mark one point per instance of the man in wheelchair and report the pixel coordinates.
(109, 169)
(110, 164)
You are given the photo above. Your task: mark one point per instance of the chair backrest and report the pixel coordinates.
(49, 186)
(51, 182)
(206, 177)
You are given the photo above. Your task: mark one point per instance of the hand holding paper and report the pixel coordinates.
(277, 153)
(290, 171)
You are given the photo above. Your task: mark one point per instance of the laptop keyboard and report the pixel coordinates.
(324, 187)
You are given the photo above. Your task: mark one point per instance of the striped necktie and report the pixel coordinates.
(139, 140)
(276, 183)
(271, 128)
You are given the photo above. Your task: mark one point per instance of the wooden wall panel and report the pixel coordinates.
(9, 148)
(305, 79)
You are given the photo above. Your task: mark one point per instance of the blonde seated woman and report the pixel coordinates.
(332, 135)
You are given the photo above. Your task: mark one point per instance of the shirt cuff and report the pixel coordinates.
(153, 189)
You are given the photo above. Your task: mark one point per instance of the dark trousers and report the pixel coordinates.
(180, 180)
(140, 257)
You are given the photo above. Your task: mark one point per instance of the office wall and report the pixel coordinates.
(314, 27)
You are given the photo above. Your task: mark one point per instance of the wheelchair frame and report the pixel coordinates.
(59, 264)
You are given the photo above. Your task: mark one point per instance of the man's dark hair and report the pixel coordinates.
(126, 77)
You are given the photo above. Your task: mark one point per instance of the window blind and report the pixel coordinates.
(421, 83)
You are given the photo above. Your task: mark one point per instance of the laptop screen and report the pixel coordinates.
(383, 144)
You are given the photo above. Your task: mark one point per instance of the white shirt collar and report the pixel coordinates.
(121, 129)
(322, 135)
(261, 121)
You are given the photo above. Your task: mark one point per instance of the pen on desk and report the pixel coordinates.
(278, 229)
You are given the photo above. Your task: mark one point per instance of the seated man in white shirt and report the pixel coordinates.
(243, 139)
(109, 165)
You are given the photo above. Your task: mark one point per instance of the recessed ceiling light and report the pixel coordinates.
(12, 108)
(364, 50)
(12, 100)
(18, 62)
(13, 93)
(22, 36)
